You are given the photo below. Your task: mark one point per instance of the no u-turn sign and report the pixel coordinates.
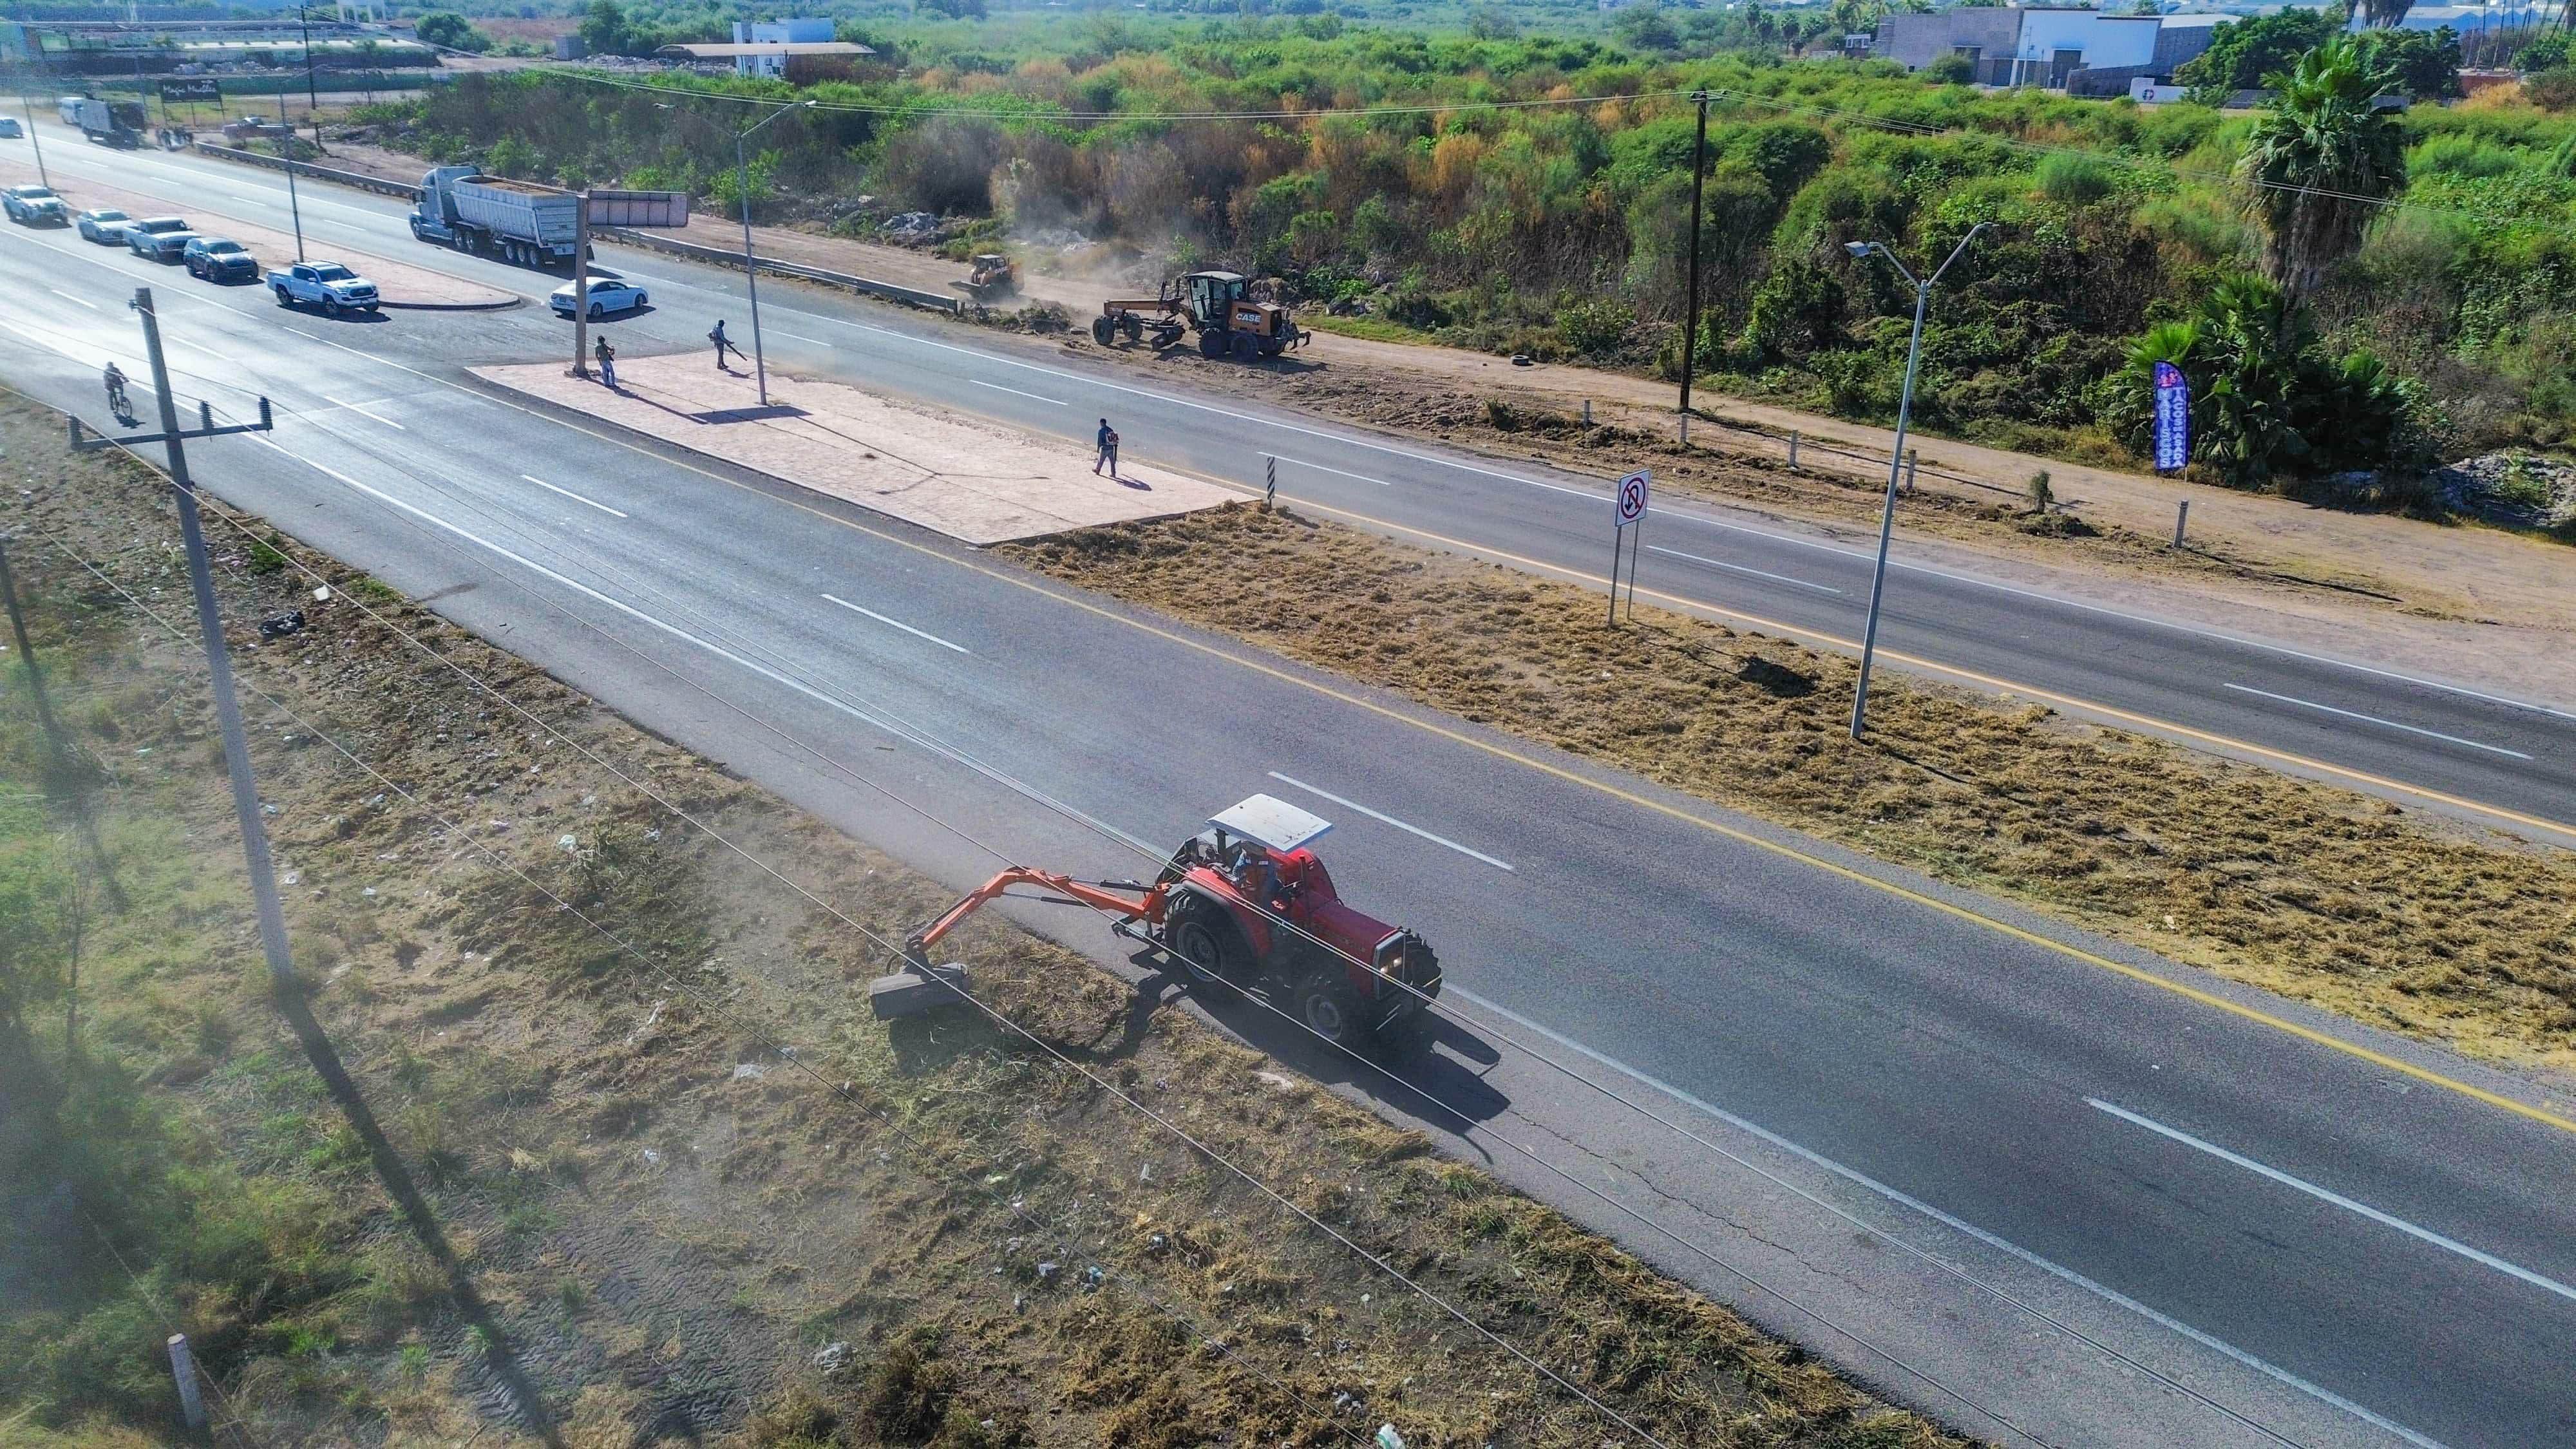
(1629, 503)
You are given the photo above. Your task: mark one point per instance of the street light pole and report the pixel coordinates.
(1690, 307)
(750, 267)
(1896, 461)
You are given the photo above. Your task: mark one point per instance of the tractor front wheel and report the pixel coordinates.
(1330, 1009)
(1134, 327)
(1103, 331)
(1212, 344)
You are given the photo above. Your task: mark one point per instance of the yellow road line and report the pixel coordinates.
(2028, 691)
(1958, 912)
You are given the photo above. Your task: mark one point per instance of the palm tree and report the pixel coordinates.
(2320, 161)
(2384, 14)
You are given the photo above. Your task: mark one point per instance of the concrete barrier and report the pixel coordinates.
(334, 174)
(718, 256)
(650, 241)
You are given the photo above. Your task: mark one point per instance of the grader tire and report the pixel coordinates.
(1103, 331)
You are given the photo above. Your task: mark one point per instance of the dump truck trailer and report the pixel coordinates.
(534, 226)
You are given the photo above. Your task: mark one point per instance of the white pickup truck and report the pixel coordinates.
(327, 285)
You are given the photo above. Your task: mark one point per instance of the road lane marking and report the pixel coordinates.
(1596, 493)
(2386, 1220)
(75, 301)
(897, 623)
(1389, 820)
(568, 493)
(1904, 1199)
(800, 337)
(2373, 719)
(362, 412)
(1741, 569)
(1336, 472)
(2314, 1037)
(2026, 691)
(1015, 392)
(2108, 1294)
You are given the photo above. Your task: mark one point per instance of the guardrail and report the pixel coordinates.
(650, 241)
(358, 179)
(717, 256)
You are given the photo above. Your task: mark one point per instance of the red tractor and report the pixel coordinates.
(1243, 901)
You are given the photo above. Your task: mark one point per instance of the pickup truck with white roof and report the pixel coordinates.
(327, 285)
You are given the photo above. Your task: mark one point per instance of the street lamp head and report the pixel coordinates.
(1859, 250)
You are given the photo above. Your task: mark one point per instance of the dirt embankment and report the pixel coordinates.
(2400, 920)
(656, 1174)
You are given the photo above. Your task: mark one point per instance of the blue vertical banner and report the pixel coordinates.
(2173, 418)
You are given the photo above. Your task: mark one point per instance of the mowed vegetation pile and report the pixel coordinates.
(2385, 915)
(2351, 336)
(620, 1155)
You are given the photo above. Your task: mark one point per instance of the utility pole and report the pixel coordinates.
(581, 284)
(312, 96)
(294, 203)
(1690, 307)
(210, 624)
(751, 266)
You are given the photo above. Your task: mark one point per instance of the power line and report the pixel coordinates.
(897, 954)
(669, 979)
(904, 730)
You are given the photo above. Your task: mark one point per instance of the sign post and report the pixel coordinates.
(1627, 506)
(2173, 419)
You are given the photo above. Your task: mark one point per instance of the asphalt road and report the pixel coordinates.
(2088, 1206)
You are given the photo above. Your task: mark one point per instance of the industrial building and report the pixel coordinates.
(2080, 51)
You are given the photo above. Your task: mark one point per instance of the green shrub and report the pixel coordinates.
(1953, 69)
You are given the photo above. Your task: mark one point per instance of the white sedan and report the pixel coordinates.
(607, 294)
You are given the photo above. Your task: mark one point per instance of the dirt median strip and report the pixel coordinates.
(563, 1002)
(2400, 920)
(399, 284)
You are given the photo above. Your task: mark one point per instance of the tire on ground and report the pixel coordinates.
(1204, 939)
(1328, 1006)
(1212, 344)
(1103, 331)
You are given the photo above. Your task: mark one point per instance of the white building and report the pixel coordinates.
(807, 30)
(2470, 19)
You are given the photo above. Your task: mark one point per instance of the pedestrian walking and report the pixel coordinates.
(723, 344)
(1108, 449)
(607, 356)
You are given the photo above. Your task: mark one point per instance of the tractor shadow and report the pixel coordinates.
(1437, 1077)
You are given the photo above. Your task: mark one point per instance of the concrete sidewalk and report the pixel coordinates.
(969, 478)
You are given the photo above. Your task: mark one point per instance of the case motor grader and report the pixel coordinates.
(993, 276)
(1243, 901)
(1216, 305)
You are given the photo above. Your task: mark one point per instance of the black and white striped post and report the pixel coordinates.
(1270, 482)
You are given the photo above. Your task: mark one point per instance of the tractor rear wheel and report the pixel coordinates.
(1212, 344)
(1246, 348)
(1103, 331)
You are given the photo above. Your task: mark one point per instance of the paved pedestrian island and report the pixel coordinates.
(966, 477)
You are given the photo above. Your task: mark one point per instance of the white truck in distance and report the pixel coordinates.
(532, 226)
(112, 123)
(327, 285)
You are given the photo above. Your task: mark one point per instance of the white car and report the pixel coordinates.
(607, 294)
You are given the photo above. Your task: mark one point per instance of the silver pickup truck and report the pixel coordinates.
(327, 285)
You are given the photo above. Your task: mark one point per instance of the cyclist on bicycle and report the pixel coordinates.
(115, 379)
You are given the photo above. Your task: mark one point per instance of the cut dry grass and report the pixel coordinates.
(2452, 934)
(669, 1220)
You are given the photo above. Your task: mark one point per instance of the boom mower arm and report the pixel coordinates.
(1064, 889)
